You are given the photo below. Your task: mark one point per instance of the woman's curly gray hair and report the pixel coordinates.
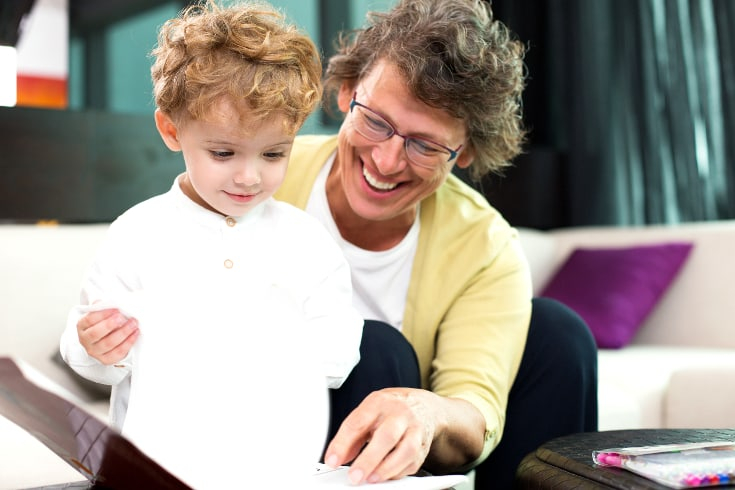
(454, 56)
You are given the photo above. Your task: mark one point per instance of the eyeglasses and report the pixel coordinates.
(420, 151)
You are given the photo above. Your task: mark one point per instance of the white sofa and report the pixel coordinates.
(41, 269)
(678, 372)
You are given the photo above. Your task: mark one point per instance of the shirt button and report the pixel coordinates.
(229, 263)
(230, 221)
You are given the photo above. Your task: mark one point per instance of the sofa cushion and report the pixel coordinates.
(614, 289)
(617, 408)
(690, 402)
(42, 269)
(646, 373)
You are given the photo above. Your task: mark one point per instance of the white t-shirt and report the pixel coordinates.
(379, 279)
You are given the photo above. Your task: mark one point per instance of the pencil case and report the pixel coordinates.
(676, 465)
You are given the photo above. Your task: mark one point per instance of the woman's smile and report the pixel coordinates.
(375, 182)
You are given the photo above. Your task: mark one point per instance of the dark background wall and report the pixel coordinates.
(79, 166)
(617, 112)
(93, 161)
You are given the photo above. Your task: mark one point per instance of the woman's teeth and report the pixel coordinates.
(383, 186)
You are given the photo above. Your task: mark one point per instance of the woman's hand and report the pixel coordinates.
(393, 431)
(107, 335)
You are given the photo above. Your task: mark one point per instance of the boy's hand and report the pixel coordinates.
(107, 335)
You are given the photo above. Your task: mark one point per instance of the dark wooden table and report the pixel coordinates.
(566, 462)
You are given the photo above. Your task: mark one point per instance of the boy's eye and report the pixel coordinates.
(221, 154)
(274, 155)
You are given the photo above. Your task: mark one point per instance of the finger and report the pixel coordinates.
(352, 435)
(95, 332)
(119, 350)
(380, 459)
(107, 335)
(405, 459)
(94, 317)
(114, 337)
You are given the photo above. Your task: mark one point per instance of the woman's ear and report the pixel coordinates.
(466, 157)
(344, 97)
(168, 130)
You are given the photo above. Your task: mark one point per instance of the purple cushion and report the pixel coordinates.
(614, 289)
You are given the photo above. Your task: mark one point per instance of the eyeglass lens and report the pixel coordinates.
(419, 151)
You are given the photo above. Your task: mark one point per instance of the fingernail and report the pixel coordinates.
(331, 461)
(355, 476)
(374, 478)
(120, 320)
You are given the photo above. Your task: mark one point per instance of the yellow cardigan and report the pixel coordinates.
(469, 298)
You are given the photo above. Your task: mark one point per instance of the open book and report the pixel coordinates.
(106, 459)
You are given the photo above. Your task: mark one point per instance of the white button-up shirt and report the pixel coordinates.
(229, 308)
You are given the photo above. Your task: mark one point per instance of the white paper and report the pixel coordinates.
(225, 379)
(327, 477)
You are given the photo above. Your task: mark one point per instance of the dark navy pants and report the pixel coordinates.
(554, 393)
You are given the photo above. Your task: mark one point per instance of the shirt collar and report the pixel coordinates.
(207, 217)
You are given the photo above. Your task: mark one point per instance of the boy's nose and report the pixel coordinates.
(248, 175)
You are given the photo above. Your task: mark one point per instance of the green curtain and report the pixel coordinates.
(639, 97)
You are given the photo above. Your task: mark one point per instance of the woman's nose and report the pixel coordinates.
(389, 156)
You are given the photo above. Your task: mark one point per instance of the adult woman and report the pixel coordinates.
(429, 85)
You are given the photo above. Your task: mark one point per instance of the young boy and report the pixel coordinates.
(217, 311)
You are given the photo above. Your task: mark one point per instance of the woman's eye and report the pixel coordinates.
(425, 148)
(377, 124)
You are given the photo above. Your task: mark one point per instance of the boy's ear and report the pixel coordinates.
(168, 130)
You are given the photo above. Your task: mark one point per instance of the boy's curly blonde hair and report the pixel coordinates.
(245, 53)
